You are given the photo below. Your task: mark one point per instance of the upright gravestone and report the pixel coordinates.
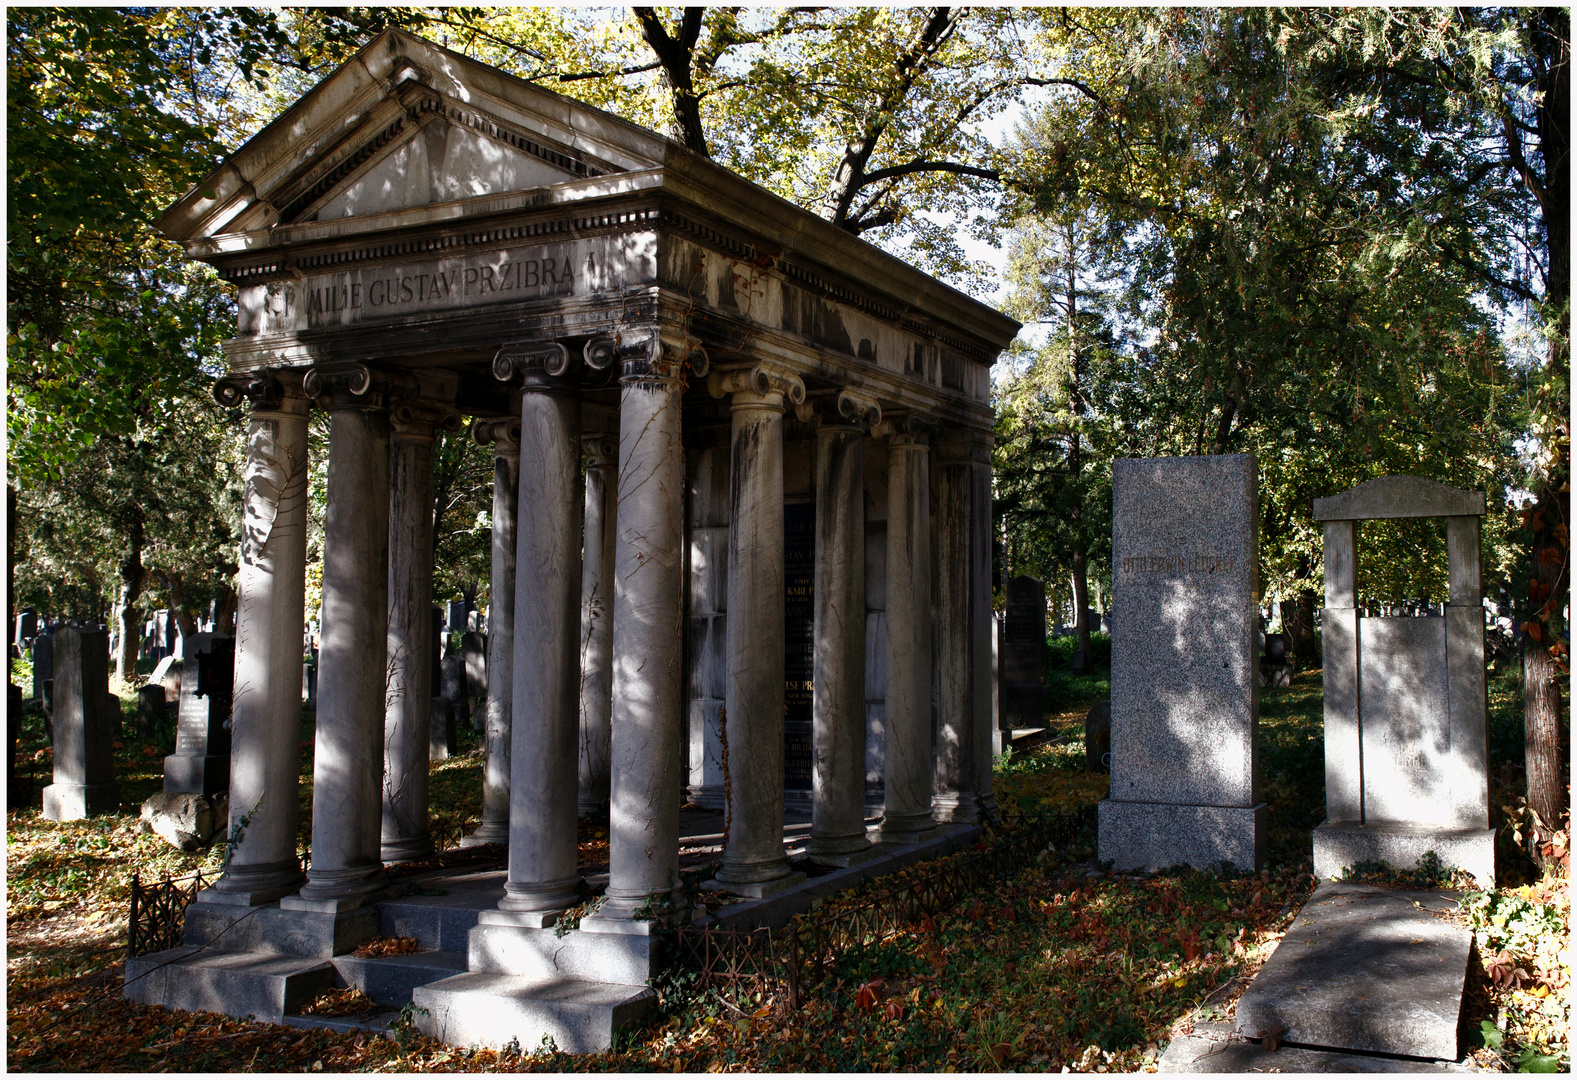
(452, 687)
(473, 647)
(84, 768)
(1024, 655)
(43, 663)
(1406, 746)
(201, 762)
(1185, 702)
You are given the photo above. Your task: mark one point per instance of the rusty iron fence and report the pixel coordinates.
(157, 916)
(779, 966)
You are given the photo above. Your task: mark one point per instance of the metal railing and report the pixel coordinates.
(156, 919)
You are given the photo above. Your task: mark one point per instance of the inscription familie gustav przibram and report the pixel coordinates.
(393, 290)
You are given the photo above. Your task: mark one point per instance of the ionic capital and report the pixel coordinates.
(540, 365)
(422, 420)
(759, 384)
(859, 409)
(642, 355)
(502, 435)
(357, 386)
(600, 450)
(263, 389)
(907, 429)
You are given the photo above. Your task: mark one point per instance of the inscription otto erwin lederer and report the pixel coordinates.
(1179, 564)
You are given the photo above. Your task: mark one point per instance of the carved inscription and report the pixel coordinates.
(1179, 564)
(389, 292)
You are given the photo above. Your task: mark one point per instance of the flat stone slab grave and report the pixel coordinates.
(1365, 969)
(1217, 1048)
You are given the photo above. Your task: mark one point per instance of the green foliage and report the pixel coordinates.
(1506, 921)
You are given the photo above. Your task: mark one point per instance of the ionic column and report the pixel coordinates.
(643, 835)
(505, 439)
(544, 726)
(754, 861)
(907, 817)
(265, 716)
(963, 632)
(837, 832)
(596, 620)
(347, 767)
(407, 713)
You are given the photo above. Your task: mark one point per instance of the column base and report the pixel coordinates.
(72, 802)
(906, 828)
(1342, 845)
(757, 890)
(249, 886)
(407, 849)
(848, 858)
(959, 808)
(1155, 836)
(548, 899)
(489, 832)
(836, 850)
(336, 890)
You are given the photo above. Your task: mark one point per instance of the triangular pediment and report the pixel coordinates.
(403, 124)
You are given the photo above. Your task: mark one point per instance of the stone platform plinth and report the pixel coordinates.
(1216, 1048)
(491, 1010)
(265, 986)
(1154, 836)
(1365, 969)
(1337, 846)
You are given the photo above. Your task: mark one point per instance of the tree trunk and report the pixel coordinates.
(1549, 582)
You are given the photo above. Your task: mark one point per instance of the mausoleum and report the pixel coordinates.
(741, 540)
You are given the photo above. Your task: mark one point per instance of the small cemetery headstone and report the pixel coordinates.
(151, 709)
(26, 625)
(167, 676)
(457, 613)
(473, 648)
(201, 762)
(43, 663)
(441, 732)
(1024, 654)
(1406, 740)
(84, 765)
(452, 687)
(1185, 700)
(1098, 737)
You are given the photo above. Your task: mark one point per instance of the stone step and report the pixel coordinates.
(389, 980)
(381, 1024)
(265, 986)
(489, 1010)
(442, 921)
(1366, 969)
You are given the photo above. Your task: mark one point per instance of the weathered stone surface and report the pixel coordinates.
(269, 929)
(1153, 836)
(1406, 726)
(389, 980)
(83, 728)
(167, 674)
(1185, 698)
(1367, 969)
(186, 820)
(264, 986)
(541, 953)
(1338, 846)
(489, 1010)
(1399, 497)
(1214, 1047)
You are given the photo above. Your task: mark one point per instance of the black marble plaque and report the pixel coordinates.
(799, 582)
(1023, 656)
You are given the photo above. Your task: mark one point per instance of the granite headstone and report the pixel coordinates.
(473, 648)
(201, 762)
(83, 728)
(1024, 655)
(1185, 699)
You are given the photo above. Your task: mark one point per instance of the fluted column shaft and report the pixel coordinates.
(596, 620)
(838, 736)
(265, 718)
(505, 439)
(908, 778)
(407, 715)
(348, 764)
(643, 856)
(544, 727)
(963, 574)
(753, 710)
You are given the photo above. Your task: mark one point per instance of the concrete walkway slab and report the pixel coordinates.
(1367, 969)
(1217, 1048)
